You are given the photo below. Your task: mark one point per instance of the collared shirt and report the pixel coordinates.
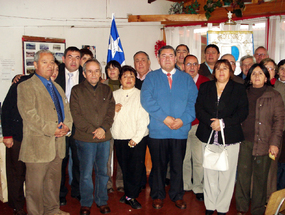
(74, 79)
(243, 76)
(142, 78)
(172, 72)
(196, 78)
(281, 81)
(211, 70)
(45, 83)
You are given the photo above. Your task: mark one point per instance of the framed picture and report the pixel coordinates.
(33, 44)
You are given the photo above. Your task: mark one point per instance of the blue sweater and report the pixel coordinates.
(160, 101)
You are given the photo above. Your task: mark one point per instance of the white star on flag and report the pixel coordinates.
(114, 46)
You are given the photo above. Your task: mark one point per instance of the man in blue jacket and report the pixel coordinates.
(169, 96)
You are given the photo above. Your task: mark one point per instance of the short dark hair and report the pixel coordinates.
(264, 70)
(141, 52)
(72, 49)
(182, 45)
(212, 46)
(56, 62)
(91, 60)
(190, 55)
(85, 52)
(281, 63)
(166, 47)
(219, 63)
(127, 68)
(112, 63)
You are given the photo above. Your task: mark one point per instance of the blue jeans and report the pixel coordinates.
(93, 155)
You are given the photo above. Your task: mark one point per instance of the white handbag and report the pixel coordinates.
(216, 156)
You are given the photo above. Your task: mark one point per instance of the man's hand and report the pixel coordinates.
(118, 107)
(169, 121)
(99, 133)
(17, 78)
(8, 142)
(177, 124)
(61, 130)
(273, 150)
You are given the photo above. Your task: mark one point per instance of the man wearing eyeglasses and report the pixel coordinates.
(260, 54)
(232, 61)
(194, 169)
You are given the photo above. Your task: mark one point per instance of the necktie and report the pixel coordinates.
(69, 86)
(169, 80)
(55, 101)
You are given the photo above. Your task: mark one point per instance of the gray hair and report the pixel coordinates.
(261, 47)
(141, 52)
(226, 55)
(247, 57)
(92, 60)
(37, 55)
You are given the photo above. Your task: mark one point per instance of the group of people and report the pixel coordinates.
(67, 116)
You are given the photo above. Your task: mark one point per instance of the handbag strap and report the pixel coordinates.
(222, 133)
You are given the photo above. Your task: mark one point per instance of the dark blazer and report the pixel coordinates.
(12, 123)
(232, 108)
(204, 70)
(61, 76)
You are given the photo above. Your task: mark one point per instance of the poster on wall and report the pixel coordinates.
(91, 48)
(33, 44)
(237, 43)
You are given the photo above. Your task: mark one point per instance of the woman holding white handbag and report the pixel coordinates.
(221, 107)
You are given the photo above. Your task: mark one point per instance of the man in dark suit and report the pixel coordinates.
(44, 109)
(212, 54)
(70, 74)
(245, 63)
(12, 126)
(142, 66)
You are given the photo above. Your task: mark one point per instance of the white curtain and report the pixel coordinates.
(184, 35)
(276, 40)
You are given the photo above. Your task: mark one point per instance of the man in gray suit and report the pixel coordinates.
(44, 109)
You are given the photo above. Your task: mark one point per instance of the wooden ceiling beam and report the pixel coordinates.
(167, 18)
(219, 14)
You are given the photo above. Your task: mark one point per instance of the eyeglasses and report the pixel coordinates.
(232, 63)
(191, 64)
(260, 55)
(270, 69)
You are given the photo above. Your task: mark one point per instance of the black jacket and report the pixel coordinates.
(61, 76)
(12, 124)
(232, 108)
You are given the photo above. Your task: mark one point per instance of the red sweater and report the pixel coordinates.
(201, 79)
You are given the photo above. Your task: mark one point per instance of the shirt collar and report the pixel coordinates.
(211, 71)
(196, 78)
(45, 81)
(172, 71)
(138, 76)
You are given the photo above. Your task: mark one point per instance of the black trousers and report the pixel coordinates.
(163, 151)
(70, 143)
(132, 162)
(16, 172)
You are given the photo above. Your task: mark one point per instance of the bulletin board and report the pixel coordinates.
(33, 44)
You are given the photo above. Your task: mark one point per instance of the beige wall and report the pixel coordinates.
(85, 22)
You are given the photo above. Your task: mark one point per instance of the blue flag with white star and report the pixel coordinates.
(115, 50)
